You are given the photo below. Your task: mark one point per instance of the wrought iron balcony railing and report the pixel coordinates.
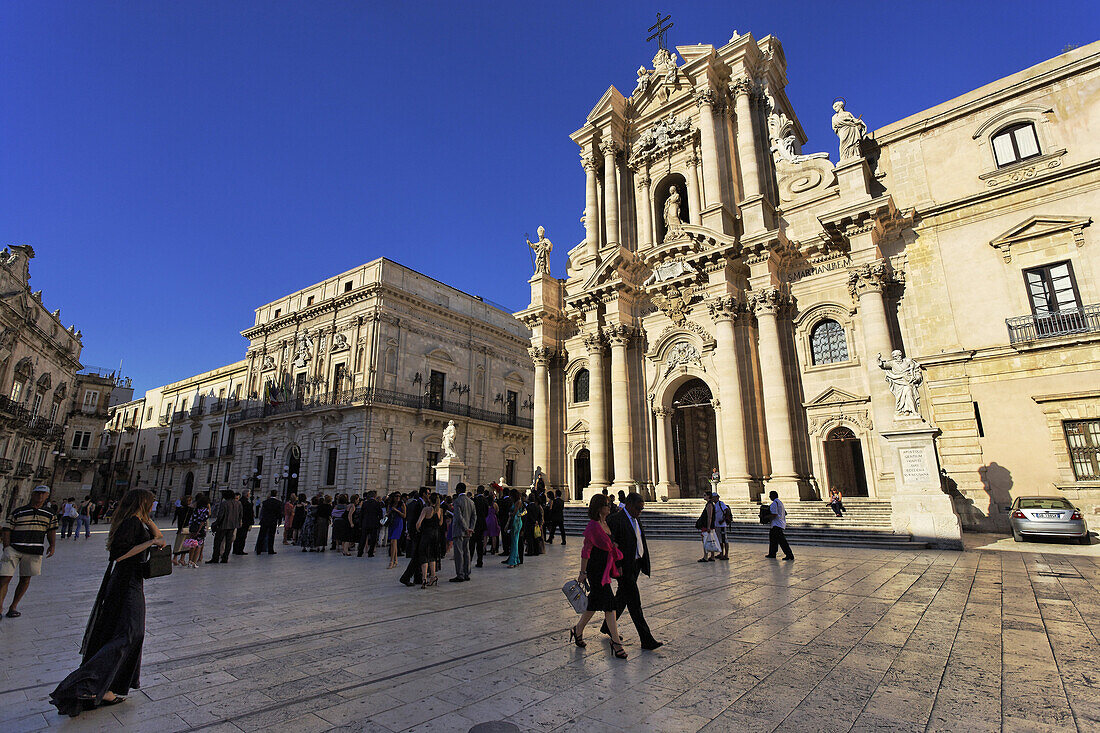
(1039, 326)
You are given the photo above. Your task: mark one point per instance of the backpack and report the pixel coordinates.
(701, 522)
(727, 514)
(766, 515)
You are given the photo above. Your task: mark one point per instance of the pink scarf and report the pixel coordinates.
(595, 536)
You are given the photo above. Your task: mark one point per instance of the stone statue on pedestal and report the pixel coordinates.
(904, 377)
(850, 130)
(672, 214)
(449, 433)
(542, 250)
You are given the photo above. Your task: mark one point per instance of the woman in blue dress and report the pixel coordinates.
(395, 510)
(516, 520)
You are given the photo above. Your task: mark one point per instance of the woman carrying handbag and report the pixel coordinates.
(116, 629)
(600, 556)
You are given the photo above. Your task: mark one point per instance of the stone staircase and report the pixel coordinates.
(865, 524)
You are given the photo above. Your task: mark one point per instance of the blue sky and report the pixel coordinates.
(176, 164)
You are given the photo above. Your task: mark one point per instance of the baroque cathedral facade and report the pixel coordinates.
(745, 312)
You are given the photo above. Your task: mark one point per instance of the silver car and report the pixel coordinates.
(1046, 515)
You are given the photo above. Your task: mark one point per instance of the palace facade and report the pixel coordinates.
(737, 300)
(346, 386)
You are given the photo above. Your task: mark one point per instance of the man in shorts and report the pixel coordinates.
(23, 533)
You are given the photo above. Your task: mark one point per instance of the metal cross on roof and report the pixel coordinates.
(659, 29)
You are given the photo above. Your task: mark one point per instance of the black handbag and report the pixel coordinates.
(157, 562)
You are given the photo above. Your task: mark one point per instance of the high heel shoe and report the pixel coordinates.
(576, 638)
(617, 649)
(433, 581)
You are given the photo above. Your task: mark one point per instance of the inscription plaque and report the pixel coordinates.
(914, 469)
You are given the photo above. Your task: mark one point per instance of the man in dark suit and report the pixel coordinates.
(477, 542)
(504, 510)
(626, 531)
(413, 508)
(369, 522)
(248, 517)
(556, 518)
(226, 520)
(271, 511)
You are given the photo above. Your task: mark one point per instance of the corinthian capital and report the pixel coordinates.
(541, 355)
(661, 412)
(588, 163)
(706, 97)
(768, 301)
(643, 180)
(725, 308)
(610, 148)
(593, 343)
(618, 335)
(870, 278)
(741, 86)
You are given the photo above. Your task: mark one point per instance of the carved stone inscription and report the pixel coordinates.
(914, 469)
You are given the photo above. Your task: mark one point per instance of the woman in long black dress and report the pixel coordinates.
(112, 642)
(430, 527)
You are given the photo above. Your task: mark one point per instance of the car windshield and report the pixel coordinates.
(1044, 504)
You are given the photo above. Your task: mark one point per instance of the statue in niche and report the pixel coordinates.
(339, 342)
(269, 362)
(850, 130)
(449, 433)
(673, 225)
(904, 377)
(302, 352)
(542, 250)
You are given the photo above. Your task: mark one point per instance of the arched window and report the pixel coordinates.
(580, 386)
(73, 477)
(828, 343)
(1015, 143)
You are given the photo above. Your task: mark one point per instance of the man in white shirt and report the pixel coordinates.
(776, 537)
(629, 536)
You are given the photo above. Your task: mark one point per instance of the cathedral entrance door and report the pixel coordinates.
(294, 468)
(844, 463)
(188, 484)
(582, 472)
(695, 438)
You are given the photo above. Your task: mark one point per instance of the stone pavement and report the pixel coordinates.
(840, 639)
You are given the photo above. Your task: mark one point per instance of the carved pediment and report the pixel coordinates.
(611, 101)
(1039, 227)
(622, 268)
(580, 426)
(836, 396)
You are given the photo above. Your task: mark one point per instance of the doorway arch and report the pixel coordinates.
(844, 462)
(189, 483)
(293, 470)
(694, 437)
(582, 472)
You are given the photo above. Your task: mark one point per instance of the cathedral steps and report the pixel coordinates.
(867, 523)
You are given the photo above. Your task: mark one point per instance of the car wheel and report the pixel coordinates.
(1017, 536)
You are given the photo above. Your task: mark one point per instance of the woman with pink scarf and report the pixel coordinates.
(599, 556)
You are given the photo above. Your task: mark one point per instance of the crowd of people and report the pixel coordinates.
(422, 527)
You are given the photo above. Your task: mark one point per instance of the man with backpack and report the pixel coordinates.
(723, 517)
(776, 537)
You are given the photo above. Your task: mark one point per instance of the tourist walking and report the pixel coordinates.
(705, 525)
(111, 652)
(67, 518)
(395, 525)
(227, 519)
(370, 522)
(776, 535)
(599, 556)
(196, 530)
(629, 536)
(835, 502)
(288, 518)
(271, 510)
(84, 517)
(429, 529)
(462, 530)
(556, 518)
(722, 518)
(248, 518)
(23, 532)
(182, 519)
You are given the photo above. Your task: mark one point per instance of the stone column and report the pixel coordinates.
(695, 203)
(621, 435)
(866, 284)
(597, 412)
(591, 207)
(611, 189)
(735, 476)
(541, 355)
(665, 459)
(707, 99)
(746, 142)
(645, 207)
(767, 304)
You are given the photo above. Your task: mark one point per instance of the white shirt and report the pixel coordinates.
(719, 514)
(779, 513)
(638, 534)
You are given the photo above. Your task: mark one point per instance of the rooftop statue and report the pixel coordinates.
(850, 130)
(542, 250)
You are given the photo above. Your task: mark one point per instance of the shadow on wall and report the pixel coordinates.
(997, 483)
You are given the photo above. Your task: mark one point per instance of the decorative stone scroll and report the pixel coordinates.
(681, 354)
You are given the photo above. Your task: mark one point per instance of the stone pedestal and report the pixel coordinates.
(448, 472)
(545, 291)
(854, 179)
(919, 506)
